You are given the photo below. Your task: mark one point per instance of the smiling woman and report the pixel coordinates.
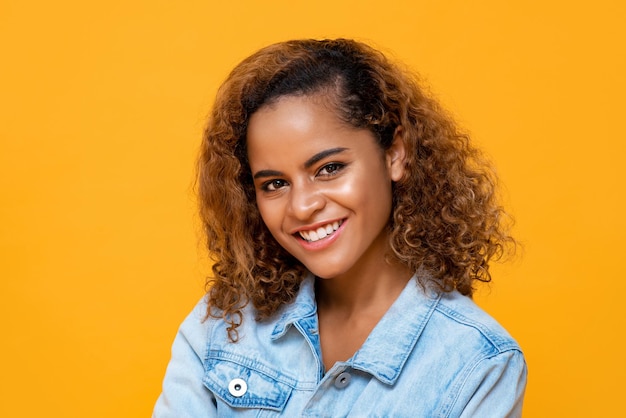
(326, 196)
(349, 220)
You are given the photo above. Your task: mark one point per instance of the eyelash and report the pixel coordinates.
(332, 169)
(266, 187)
(337, 168)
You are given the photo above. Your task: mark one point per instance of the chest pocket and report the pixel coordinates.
(245, 383)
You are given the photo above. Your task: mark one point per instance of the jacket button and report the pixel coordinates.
(237, 387)
(342, 380)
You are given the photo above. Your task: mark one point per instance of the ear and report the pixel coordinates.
(395, 156)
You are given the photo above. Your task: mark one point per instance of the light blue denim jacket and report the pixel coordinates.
(431, 355)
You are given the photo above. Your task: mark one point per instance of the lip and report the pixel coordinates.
(324, 242)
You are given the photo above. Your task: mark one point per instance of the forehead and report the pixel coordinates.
(295, 127)
(297, 115)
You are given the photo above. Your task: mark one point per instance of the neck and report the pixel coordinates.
(368, 288)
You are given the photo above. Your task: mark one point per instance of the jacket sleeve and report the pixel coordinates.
(495, 388)
(184, 395)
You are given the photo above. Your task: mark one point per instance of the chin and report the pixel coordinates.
(325, 273)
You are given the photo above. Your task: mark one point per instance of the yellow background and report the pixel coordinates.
(102, 107)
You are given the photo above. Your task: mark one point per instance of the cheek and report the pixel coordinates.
(363, 190)
(263, 210)
(273, 220)
(270, 215)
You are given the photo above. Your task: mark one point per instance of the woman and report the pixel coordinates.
(349, 220)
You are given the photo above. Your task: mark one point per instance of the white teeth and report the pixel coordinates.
(321, 232)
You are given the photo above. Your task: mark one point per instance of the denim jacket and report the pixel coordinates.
(431, 355)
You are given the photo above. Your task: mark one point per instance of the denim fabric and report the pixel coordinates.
(431, 355)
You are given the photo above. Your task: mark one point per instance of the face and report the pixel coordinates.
(323, 187)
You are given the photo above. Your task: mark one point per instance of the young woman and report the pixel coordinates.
(349, 220)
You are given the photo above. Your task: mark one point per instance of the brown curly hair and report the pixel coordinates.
(445, 215)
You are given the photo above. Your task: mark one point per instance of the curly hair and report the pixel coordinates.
(445, 215)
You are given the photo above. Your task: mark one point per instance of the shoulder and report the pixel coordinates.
(183, 393)
(202, 330)
(482, 365)
(190, 344)
(461, 314)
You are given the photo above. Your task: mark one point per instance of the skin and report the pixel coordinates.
(311, 170)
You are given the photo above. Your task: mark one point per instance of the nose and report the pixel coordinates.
(305, 201)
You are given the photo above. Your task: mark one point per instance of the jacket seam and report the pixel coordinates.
(498, 343)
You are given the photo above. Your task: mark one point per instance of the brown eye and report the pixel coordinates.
(273, 185)
(330, 169)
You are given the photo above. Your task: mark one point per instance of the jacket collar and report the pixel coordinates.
(303, 307)
(392, 340)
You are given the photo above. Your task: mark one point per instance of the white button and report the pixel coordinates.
(342, 380)
(237, 387)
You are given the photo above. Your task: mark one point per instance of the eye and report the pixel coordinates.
(330, 169)
(273, 185)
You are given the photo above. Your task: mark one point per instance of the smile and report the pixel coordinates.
(321, 232)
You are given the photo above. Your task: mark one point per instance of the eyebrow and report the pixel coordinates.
(307, 164)
(323, 154)
(267, 173)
